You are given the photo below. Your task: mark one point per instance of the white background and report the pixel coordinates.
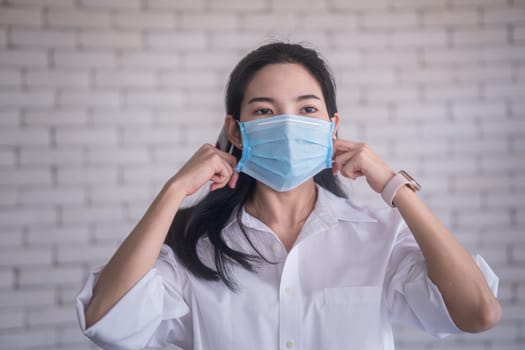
(102, 100)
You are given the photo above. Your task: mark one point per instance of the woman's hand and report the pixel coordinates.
(207, 164)
(355, 159)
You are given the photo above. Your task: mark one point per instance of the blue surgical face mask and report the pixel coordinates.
(285, 150)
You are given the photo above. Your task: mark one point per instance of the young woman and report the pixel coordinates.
(276, 256)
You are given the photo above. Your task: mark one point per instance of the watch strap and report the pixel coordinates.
(392, 186)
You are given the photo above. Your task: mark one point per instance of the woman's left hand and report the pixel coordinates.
(355, 159)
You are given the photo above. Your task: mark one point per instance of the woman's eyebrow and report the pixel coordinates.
(307, 97)
(271, 100)
(261, 99)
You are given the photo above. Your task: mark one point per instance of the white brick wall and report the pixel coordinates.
(101, 101)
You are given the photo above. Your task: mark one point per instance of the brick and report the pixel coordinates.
(9, 196)
(3, 38)
(39, 277)
(465, 38)
(411, 112)
(432, 75)
(52, 196)
(96, 136)
(75, 214)
(185, 79)
(503, 15)
(401, 58)
(110, 39)
(23, 339)
(126, 155)
(319, 21)
(7, 157)
(505, 90)
(111, 4)
(160, 98)
(502, 162)
(45, 3)
(88, 175)
(492, 219)
(457, 165)
(112, 233)
(52, 316)
(209, 21)
(25, 136)
(144, 20)
(479, 110)
(140, 136)
(91, 254)
(392, 94)
(233, 40)
(118, 117)
(26, 58)
(56, 78)
(48, 39)
(64, 235)
(84, 59)
(238, 5)
(55, 117)
(33, 156)
(18, 17)
(518, 33)
(10, 78)
(111, 194)
(213, 60)
(368, 40)
(66, 19)
(456, 18)
(175, 5)
(176, 41)
(26, 98)
(421, 38)
(11, 319)
(89, 98)
(17, 257)
(150, 60)
(359, 5)
(125, 79)
(505, 200)
(389, 20)
(27, 217)
(368, 77)
(452, 93)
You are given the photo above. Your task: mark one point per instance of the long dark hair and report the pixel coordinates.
(209, 216)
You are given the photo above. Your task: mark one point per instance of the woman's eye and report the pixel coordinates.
(309, 110)
(263, 111)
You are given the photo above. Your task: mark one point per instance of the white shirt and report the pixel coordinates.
(349, 274)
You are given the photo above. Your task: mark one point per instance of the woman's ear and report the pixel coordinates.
(335, 120)
(233, 131)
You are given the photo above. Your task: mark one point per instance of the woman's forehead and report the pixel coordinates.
(282, 80)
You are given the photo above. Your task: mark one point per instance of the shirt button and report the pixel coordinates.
(289, 291)
(289, 344)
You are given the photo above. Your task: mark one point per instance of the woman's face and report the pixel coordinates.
(284, 88)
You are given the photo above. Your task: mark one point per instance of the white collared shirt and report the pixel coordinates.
(350, 273)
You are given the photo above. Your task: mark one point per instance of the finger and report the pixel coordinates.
(342, 145)
(343, 158)
(231, 160)
(233, 180)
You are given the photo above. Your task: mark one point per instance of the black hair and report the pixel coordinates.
(208, 217)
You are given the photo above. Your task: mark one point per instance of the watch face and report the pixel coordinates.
(413, 183)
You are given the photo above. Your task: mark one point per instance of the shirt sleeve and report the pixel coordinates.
(411, 296)
(153, 313)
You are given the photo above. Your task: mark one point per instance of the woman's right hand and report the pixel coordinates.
(207, 164)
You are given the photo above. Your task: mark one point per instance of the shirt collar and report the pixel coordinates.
(329, 209)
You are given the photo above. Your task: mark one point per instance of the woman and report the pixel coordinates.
(275, 256)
